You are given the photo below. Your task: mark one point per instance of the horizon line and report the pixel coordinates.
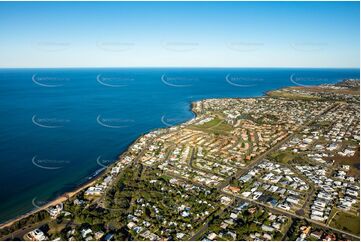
(186, 67)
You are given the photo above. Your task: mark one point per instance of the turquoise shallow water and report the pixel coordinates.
(59, 126)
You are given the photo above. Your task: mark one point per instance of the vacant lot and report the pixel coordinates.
(283, 93)
(353, 161)
(347, 222)
(217, 126)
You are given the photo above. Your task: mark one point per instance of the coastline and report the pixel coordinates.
(65, 196)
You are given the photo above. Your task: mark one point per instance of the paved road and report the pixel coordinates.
(255, 162)
(19, 234)
(293, 215)
(258, 160)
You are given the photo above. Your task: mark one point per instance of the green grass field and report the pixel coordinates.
(288, 95)
(283, 156)
(210, 124)
(217, 126)
(347, 222)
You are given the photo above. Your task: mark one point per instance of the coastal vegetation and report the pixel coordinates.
(243, 169)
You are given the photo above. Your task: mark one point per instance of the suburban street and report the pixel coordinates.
(257, 161)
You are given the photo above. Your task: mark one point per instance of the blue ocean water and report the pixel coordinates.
(59, 126)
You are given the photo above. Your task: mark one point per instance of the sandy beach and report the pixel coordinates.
(54, 202)
(66, 195)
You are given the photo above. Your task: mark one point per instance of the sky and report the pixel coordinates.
(180, 34)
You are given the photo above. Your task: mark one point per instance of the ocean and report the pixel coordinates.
(59, 127)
